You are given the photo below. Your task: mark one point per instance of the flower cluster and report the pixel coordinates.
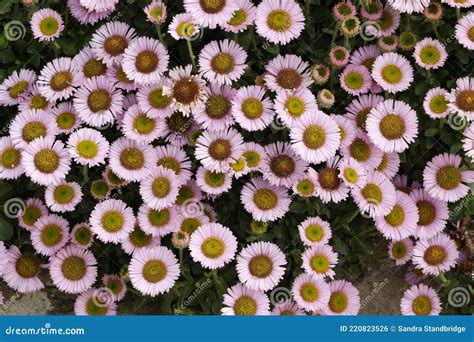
(151, 144)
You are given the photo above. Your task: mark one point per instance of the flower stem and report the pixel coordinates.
(458, 12)
(191, 54)
(160, 34)
(443, 279)
(85, 175)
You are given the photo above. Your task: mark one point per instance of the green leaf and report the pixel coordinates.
(6, 230)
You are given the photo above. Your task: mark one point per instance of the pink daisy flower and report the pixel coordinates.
(88, 147)
(355, 79)
(377, 197)
(111, 40)
(320, 73)
(210, 13)
(436, 103)
(436, 254)
(430, 53)
(153, 271)
(29, 125)
(344, 299)
(464, 29)
(310, 293)
(98, 102)
(21, 271)
(216, 114)
(444, 180)
(392, 125)
(389, 21)
(433, 214)
(266, 202)
(175, 159)
(46, 161)
(306, 185)
(261, 266)
(156, 12)
(222, 62)
(389, 165)
(88, 65)
(73, 270)
(16, 86)
(81, 235)
(112, 221)
(158, 222)
(138, 126)
(242, 301)
(85, 16)
(186, 89)
(35, 101)
(329, 187)
(145, 60)
(360, 107)
(315, 137)
(152, 100)
(288, 72)
(414, 275)
(159, 190)
(319, 261)
(216, 150)
(371, 12)
(46, 24)
(409, 6)
(57, 79)
(66, 117)
(347, 128)
(95, 302)
(10, 159)
(352, 173)
(461, 98)
(420, 300)
(365, 55)
(339, 56)
(287, 308)
(213, 245)
(254, 155)
(130, 160)
(279, 21)
(137, 240)
(344, 9)
(401, 251)
(468, 141)
(63, 197)
(184, 26)
(34, 209)
(290, 106)
(362, 150)
(314, 231)
(213, 183)
(99, 5)
(281, 166)
(3, 257)
(402, 220)
(251, 110)
(392, 72)
(116, 284)
(243, 17)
